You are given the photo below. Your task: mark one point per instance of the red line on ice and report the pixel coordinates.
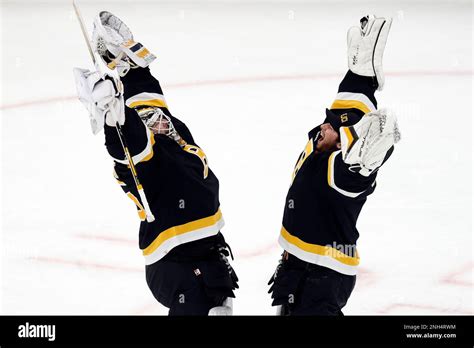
(85, 264)
(365, 277)
(450, 278)
(257, 252)
(106, 238)
(245, 254)
(239, 80)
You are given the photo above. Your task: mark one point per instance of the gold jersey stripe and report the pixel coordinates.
(195, 150)
(181, 229)
(349, 136)
(150, 155)
(331, 181)
(308, 150)
(319, 249)
(330, 168)
(129, 43)
(350, 104)
(151, 102)
(143, 53)
(140, 210)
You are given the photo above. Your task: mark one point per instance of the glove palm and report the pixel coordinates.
(102, 96)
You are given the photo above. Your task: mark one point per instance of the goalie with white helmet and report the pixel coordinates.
(185, 253)
(331, 181)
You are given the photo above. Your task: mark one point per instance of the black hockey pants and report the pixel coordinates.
(302, 288)
(193, 284)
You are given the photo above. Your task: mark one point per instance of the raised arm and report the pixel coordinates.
(365, 147)
(142, 93)
(367, 135)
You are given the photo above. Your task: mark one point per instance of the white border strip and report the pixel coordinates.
(332, 183)
(187, 237)
(356, 96)
(322, 260)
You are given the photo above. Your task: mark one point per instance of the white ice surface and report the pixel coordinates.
(249, 79)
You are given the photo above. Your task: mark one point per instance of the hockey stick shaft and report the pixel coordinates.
(141, 192)
(84, 31)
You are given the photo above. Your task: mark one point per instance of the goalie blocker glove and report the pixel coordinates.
(365, 47)
(365, 144)
(102, 95)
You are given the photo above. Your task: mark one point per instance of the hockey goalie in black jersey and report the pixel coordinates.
(331, 181)
(185, 254)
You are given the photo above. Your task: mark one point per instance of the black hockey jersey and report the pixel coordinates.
(321, 211)
(182, 191)
(325, 197)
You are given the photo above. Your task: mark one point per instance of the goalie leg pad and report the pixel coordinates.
(226, 308)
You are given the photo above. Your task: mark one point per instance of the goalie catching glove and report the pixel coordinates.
(102, 95)
(365, 144)
(114, 43)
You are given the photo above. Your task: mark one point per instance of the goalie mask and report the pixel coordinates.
(113, 41)
(158, 122)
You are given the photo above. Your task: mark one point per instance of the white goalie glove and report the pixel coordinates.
(365, 47)
(114, 43)
(101, 97)
(224, 310)
(365, 144)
